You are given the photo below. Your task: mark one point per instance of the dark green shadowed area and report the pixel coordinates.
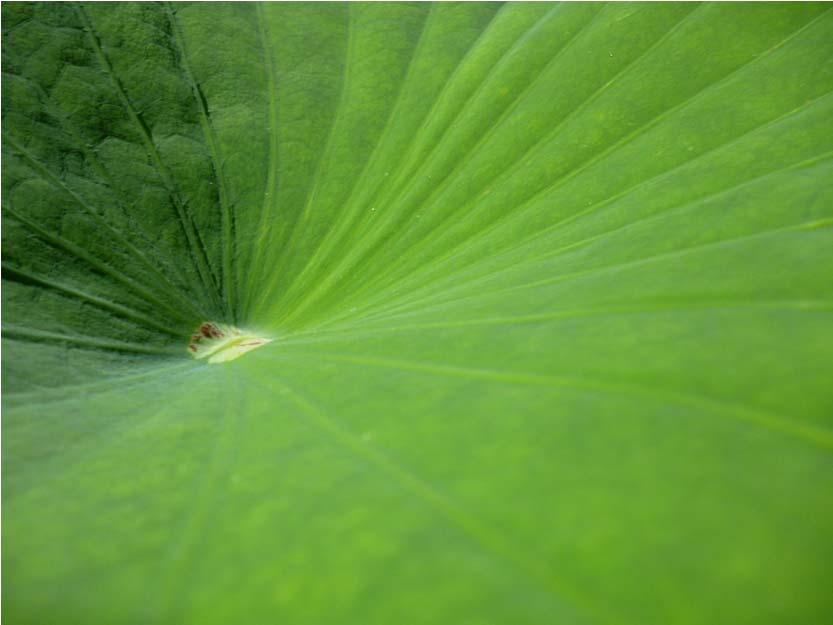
(542, 296)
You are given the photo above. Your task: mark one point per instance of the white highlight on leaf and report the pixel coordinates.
(220, 342)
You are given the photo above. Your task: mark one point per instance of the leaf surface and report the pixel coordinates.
(548, 288)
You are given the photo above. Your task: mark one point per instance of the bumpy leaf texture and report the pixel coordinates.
(550, 290)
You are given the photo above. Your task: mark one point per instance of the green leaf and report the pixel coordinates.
(550, 294)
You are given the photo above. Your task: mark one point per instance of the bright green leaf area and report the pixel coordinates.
(551, 294)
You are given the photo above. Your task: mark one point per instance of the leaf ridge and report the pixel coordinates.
(347, 218)
(658, 216)
(46, 175)
(16, 332)
(679, 252)
(91, 260)
(270, 192)
(196, 245)
(376, 232)
(821, 437)
(323, 157)
(427, 240)
(22, 276)
(319, 335)
(92, 157)
(400, 168)
(227, 215)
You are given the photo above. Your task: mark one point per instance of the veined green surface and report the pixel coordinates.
(552, 293)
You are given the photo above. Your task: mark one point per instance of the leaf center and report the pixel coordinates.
(220, 342)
